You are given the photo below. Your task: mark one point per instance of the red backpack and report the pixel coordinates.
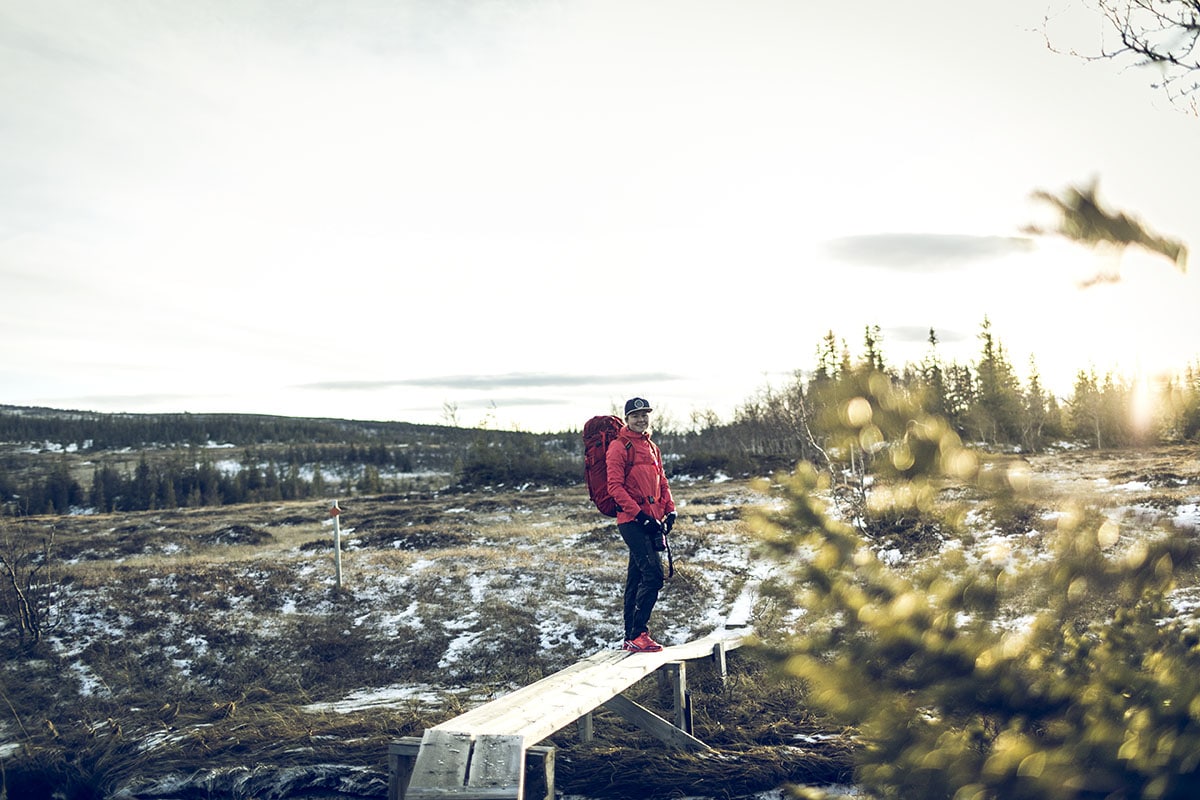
(597, 433)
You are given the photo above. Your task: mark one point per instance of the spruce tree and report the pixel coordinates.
(1085, 409)
(1036, 412)
(933, 378)
(997, 411)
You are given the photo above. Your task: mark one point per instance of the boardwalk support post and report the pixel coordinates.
(718, 656)
(681, 705)
(539, 773)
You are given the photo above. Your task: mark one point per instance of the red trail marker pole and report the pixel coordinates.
(335, 512)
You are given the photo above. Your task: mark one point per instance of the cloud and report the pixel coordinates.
(541, 380)
(923, 252)
(512, 402)
(95, 402)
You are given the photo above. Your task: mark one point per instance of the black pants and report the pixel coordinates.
(643, 579)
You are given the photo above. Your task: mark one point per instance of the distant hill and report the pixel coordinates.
(106, 431)
(55, 461)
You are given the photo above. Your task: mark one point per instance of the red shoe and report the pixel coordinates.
(642, 644)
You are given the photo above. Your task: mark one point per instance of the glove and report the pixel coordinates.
(669, 522)
(654, 531)
(649, 524)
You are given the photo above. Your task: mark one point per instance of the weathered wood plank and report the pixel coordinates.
(441, 765)
(497, 767)
(554, 702)
(539, 769)
(539, 717)
(547, 686)
(700, 648)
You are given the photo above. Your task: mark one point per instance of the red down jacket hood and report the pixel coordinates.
(636, 479)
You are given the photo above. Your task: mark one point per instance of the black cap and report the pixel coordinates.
(637, 404)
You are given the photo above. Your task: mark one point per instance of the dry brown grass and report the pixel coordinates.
(197, 638)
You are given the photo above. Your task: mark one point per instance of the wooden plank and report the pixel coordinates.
(583, 688)
(532, 693)
(497, 767)
(655, 725)
(441, 765)
(550, 704)
(539, 769)
(606, 672)
(451, 765)
(702, 648)
(554, 702)
(547, 714)
(590, 681)
(743, 606)
(510, 714)
(405, 746)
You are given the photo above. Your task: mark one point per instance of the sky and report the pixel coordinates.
(519, 213)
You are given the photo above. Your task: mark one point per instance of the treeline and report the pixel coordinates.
(86, 430)
(64, 460)
(985, 402)
(284, 459)
(522, 458)
(1062, 667)
(191, 478)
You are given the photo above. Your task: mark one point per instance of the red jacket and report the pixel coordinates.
(636, 479)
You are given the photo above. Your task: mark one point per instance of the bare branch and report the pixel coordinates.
(27, 585)
(1164, 34)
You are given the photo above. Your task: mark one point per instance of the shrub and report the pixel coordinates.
(516, 459)
(1006, 678)
(28, 580)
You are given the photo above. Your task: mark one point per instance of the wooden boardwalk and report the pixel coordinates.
(486, 753)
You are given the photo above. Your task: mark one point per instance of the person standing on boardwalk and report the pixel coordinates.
(646, 514)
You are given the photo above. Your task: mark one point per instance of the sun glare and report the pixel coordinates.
(1143, 404)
